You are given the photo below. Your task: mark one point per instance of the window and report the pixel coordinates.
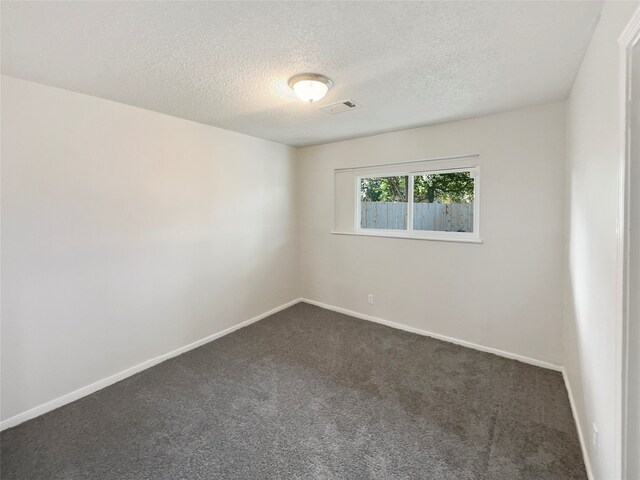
(435, 204)
(384, 202)
(443, 202)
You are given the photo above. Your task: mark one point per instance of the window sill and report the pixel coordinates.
(411, 237)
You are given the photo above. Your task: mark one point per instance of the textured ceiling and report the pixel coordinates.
(227, 63)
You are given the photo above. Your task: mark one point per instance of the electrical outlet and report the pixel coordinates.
(594, 439)
(370, 299)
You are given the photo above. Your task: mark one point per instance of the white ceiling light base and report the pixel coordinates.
(310, 87)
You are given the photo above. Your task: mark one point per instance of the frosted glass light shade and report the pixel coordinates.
(310, 87)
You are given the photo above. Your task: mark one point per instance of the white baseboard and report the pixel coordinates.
(94, 387)
(105, 382)
(463, 343)
(576, 420)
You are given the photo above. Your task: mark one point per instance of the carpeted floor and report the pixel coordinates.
(311, 394)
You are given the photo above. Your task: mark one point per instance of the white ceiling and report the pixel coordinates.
(227, 63)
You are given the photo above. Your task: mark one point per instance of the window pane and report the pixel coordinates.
(383, 202)
(443, 202)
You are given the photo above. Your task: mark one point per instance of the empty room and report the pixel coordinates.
(320, 240)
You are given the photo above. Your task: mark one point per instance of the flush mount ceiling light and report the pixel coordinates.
(310, 87)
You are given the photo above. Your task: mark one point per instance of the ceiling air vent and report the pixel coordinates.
(340, 107)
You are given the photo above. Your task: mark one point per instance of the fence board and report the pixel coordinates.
(452, 217)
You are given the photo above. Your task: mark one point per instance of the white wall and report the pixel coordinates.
(505, 293)
(594, 147)
(127, 234)
(633, 406)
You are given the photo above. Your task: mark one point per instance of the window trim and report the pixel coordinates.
(468, 237)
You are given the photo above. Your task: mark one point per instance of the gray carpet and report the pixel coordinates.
(311, 394)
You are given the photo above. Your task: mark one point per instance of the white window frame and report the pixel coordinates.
(471, 237)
